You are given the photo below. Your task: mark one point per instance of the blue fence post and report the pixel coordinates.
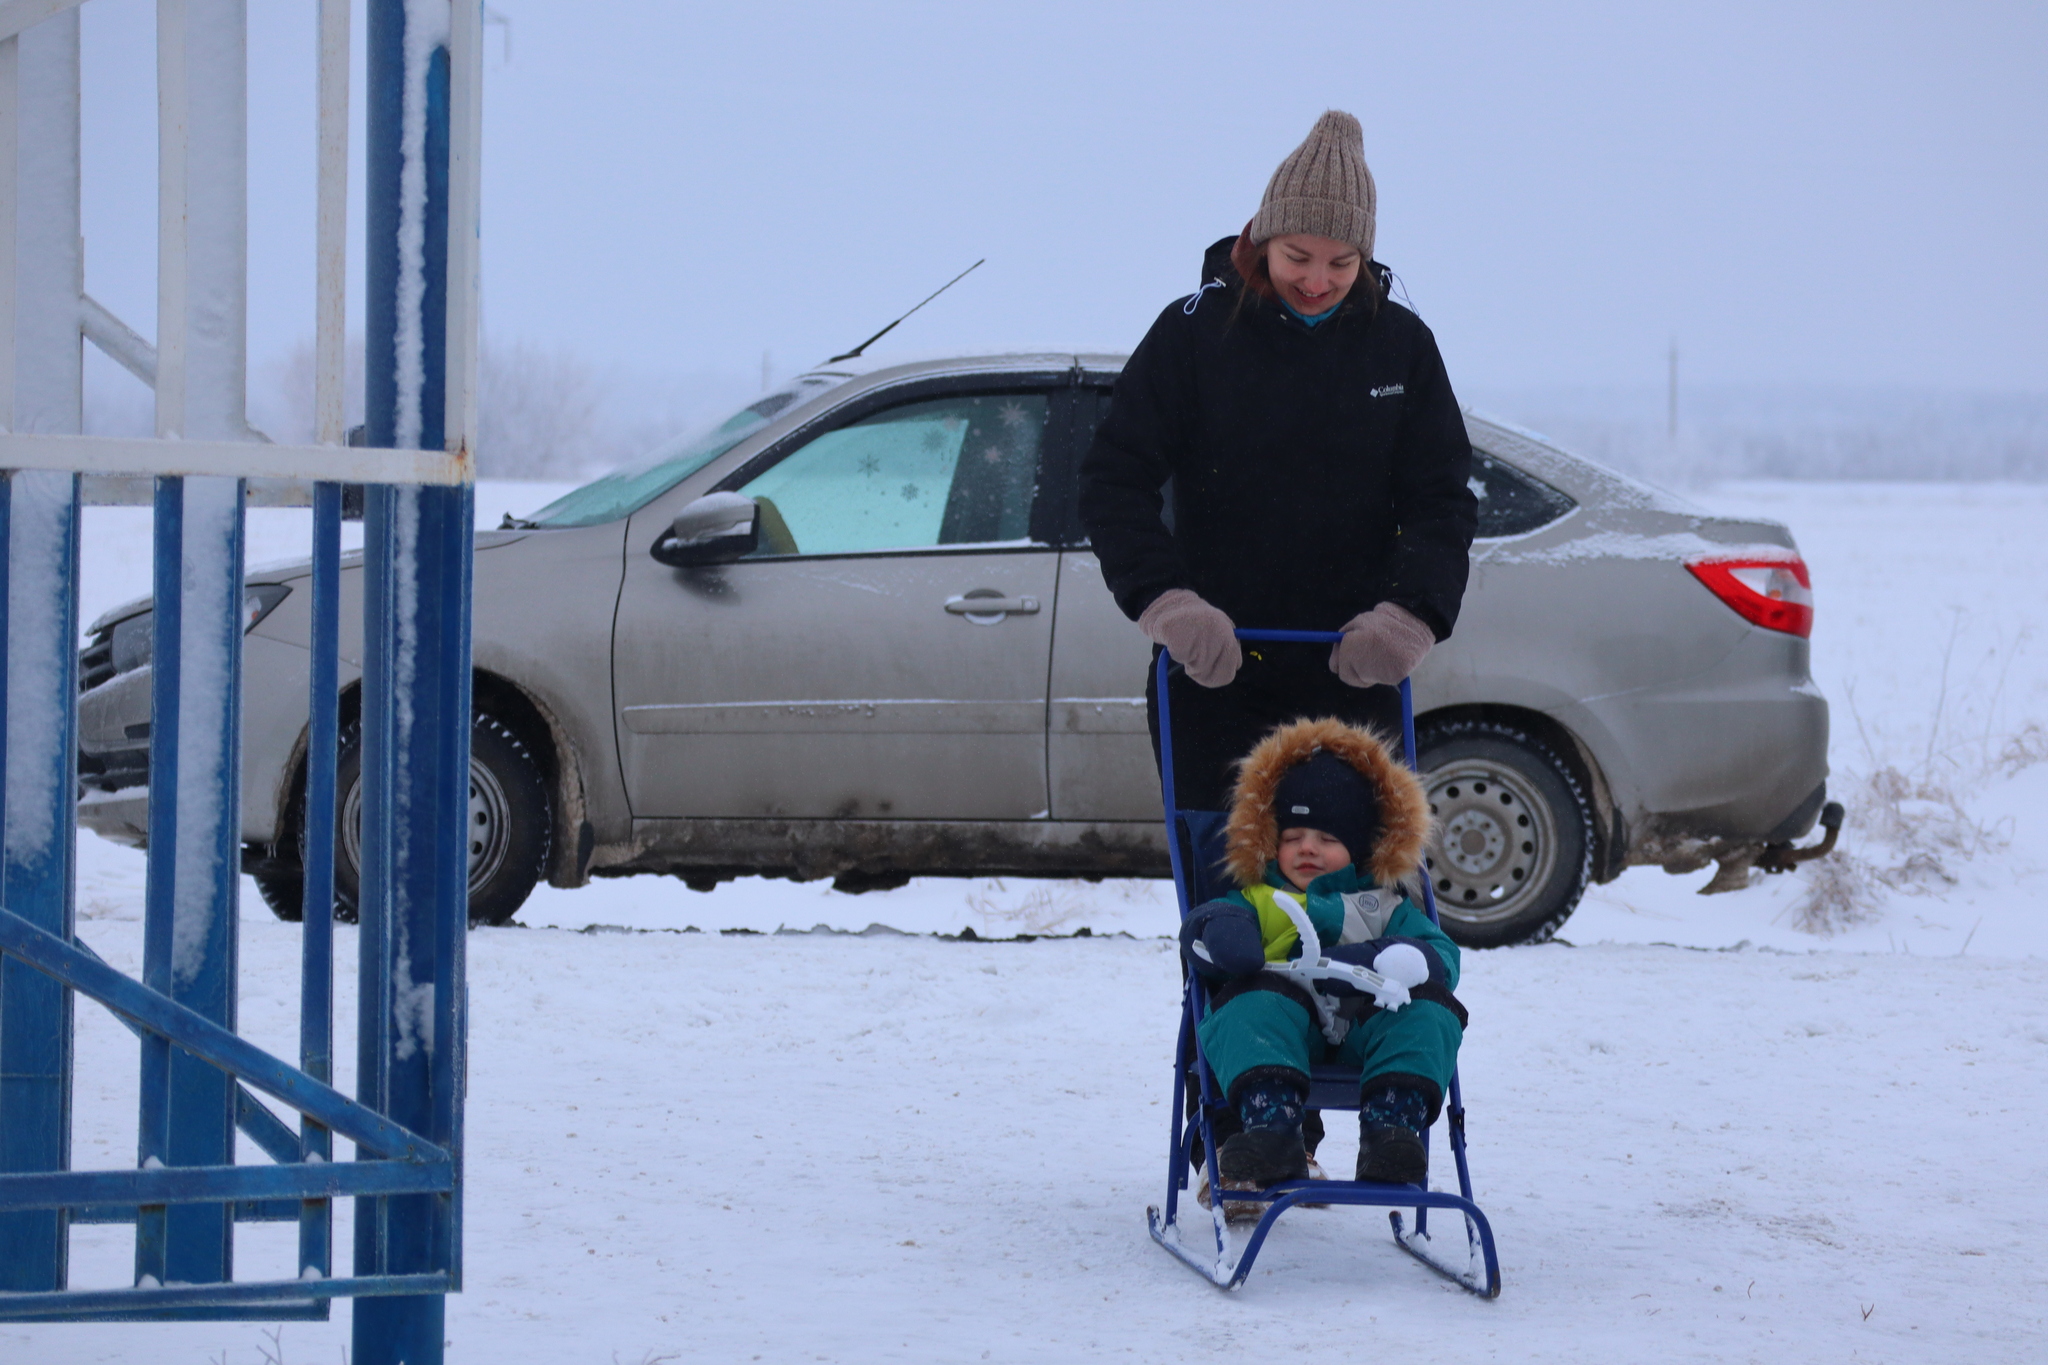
(316, 972)
(39, 545)
(190, 929)
(415, 727)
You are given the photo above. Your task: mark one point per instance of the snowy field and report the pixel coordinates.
(1789, 1124)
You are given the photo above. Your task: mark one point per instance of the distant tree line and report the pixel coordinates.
(1794, 432)
(548, 413)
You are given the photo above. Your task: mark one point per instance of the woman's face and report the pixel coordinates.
(1313, 274)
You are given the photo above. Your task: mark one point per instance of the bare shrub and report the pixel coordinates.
(281, 392)
(1842, 891)
(2023, 750)
(537, 413)
(1925, 823)
(1911, 830)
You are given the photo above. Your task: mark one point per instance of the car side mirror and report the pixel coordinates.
(717, 528)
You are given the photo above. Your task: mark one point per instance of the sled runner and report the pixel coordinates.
(1195, 841)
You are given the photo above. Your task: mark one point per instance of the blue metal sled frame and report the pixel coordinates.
(1477, 1269)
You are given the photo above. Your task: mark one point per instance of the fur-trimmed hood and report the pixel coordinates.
(1253, 834)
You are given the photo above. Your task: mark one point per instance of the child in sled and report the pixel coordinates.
(1326, 814)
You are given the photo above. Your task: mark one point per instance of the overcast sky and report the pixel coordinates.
(1834, 193)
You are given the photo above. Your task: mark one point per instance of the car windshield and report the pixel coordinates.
(625, 491)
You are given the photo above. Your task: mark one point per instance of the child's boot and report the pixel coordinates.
(1267, 1150)
(1392, 1146)
(1270, 1148)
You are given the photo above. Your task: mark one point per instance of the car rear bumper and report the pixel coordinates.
(1740, 764)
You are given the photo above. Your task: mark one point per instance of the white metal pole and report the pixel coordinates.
(330, 326)
(465, 132)
(17, 16)
(49, 274)
(203, 219)
(10, 135)
(172, 137)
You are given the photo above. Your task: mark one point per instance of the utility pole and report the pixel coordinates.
(1671, 393)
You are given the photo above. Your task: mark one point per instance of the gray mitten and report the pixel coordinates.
(1198, 636)
(1381, 646)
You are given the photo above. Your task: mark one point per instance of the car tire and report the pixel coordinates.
(283, 892)
(511, 825)
(1514, 845)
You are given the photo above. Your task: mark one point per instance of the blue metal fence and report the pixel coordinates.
(186, 1192)
(200, 1081)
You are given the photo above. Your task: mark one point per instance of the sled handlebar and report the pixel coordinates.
(1293, 637)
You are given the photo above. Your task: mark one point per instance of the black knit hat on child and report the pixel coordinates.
(1326, 793)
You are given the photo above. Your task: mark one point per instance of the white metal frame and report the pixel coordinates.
(197, 372)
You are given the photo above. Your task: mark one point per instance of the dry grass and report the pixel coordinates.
(1053, 907)
(1909, 834)
(2023, 750)
(1841, 892)
(1908, 825)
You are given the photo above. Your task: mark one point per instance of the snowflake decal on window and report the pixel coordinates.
(1013, 414)
(869, 465)
(910, 491)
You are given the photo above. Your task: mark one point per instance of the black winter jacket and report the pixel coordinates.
(1316, 472)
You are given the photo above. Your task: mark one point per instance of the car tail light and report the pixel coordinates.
(1773, 593)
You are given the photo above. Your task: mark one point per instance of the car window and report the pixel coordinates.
(958, 470)
(1511, 502)
(625, 491)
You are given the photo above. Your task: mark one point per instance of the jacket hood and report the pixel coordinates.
(1252, 835)
(1217, 265)
(1220, 262)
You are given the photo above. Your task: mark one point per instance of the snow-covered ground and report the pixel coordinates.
(1703, 1133)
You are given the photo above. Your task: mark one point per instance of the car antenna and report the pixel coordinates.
(892, 326)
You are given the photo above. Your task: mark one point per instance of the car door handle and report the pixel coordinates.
(988, 602)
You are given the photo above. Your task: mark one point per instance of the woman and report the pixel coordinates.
(1316, 462)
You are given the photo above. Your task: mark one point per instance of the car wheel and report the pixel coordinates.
(283, 892)
(1514, 846)
(511, 825)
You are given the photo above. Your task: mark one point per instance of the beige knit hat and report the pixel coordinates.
(1323, 187)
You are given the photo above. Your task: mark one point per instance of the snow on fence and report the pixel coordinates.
(199, 1081)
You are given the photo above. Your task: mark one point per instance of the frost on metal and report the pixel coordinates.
(1678, 545)
(210, 584)
(39, 584)
(426, 29)
(412, 1000)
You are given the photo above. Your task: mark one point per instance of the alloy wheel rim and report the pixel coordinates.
(489, 820)
(1496, 840)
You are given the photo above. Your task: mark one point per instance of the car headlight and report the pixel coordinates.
(129, 642)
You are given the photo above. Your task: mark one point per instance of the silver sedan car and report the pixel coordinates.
(856, 632)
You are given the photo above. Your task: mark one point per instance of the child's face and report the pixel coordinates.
(1306, 854)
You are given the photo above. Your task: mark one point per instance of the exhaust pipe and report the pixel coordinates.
(1785, 857)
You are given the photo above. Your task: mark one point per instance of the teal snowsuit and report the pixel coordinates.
(1261, 1025)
